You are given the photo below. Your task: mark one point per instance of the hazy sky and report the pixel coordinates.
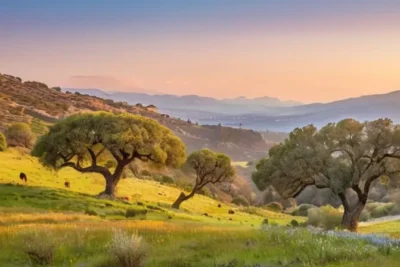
(303, 50)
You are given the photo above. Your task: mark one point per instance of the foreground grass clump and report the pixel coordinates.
(39, 245)
(129, 250)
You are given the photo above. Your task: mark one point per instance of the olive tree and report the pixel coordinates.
(343, 156)
(79, 140)
(210, 168)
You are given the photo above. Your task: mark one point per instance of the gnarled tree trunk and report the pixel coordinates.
(351, 216)
(352, 213)
(182, 197)
(111, 184)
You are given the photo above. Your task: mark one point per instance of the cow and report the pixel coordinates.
(67, 184)
(23, 177)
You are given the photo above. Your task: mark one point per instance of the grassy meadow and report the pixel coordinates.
(75, 228)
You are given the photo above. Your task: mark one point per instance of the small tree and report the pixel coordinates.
(342, 156)
(3, 142)
(19, 134)
(210, 168)
(79, 140)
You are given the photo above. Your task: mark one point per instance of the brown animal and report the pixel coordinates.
(67, 184)
(23, 177)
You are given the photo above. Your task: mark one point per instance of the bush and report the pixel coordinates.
(264, 222)
(395, 210)
(382, 210)
(19, 134)
(302, 210)
(3, 142)
(128, 250)
(205, 191)
(39, 246)
(91, 212)
(167, 180)
(136, 212)
(294, 223)
(364, 216)
(240, 201)
(289, 203)
(274, 206)
(146, 173)
(325, 217)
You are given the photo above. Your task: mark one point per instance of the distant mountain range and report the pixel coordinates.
(263, 113)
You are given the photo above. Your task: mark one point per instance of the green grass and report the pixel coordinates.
(45, 190)
(184, 237)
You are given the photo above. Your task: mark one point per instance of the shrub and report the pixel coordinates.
(19, 134)
(128, 250)
(325, 217)
(145, 173)
(395, 210)
(274, 206)
(240, 201)
(289, 203)
(382, 210)
(3, 142)
(167, 180)
(302, 210)
(205, 191)
(136, 212)
(294, 223)
(39, 246)
(91, 212)
(364, 216)
(264, 222)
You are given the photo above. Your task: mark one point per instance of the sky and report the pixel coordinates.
(303, 50)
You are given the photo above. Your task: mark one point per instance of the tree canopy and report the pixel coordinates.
(79, 140)
(210, 168)
(348, 155)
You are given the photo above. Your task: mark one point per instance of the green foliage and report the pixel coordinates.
(274, 206)
(167, 180)
(240, 201)
(92, 212)
(211, 167)
(302, 210)
(79, 140)
(364, 216)
(136, 212)
(3, 142)
(325, 217)
(205, 191)
(382, 210)
(122, 135)
(294, 223)
(19, 134)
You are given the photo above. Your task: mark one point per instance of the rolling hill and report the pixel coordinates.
(38, 105)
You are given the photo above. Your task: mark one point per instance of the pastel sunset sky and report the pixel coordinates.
(304, 50)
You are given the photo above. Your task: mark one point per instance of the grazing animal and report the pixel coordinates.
(67, 184)
(23, 177)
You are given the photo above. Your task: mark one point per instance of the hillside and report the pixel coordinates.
(38, 105)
